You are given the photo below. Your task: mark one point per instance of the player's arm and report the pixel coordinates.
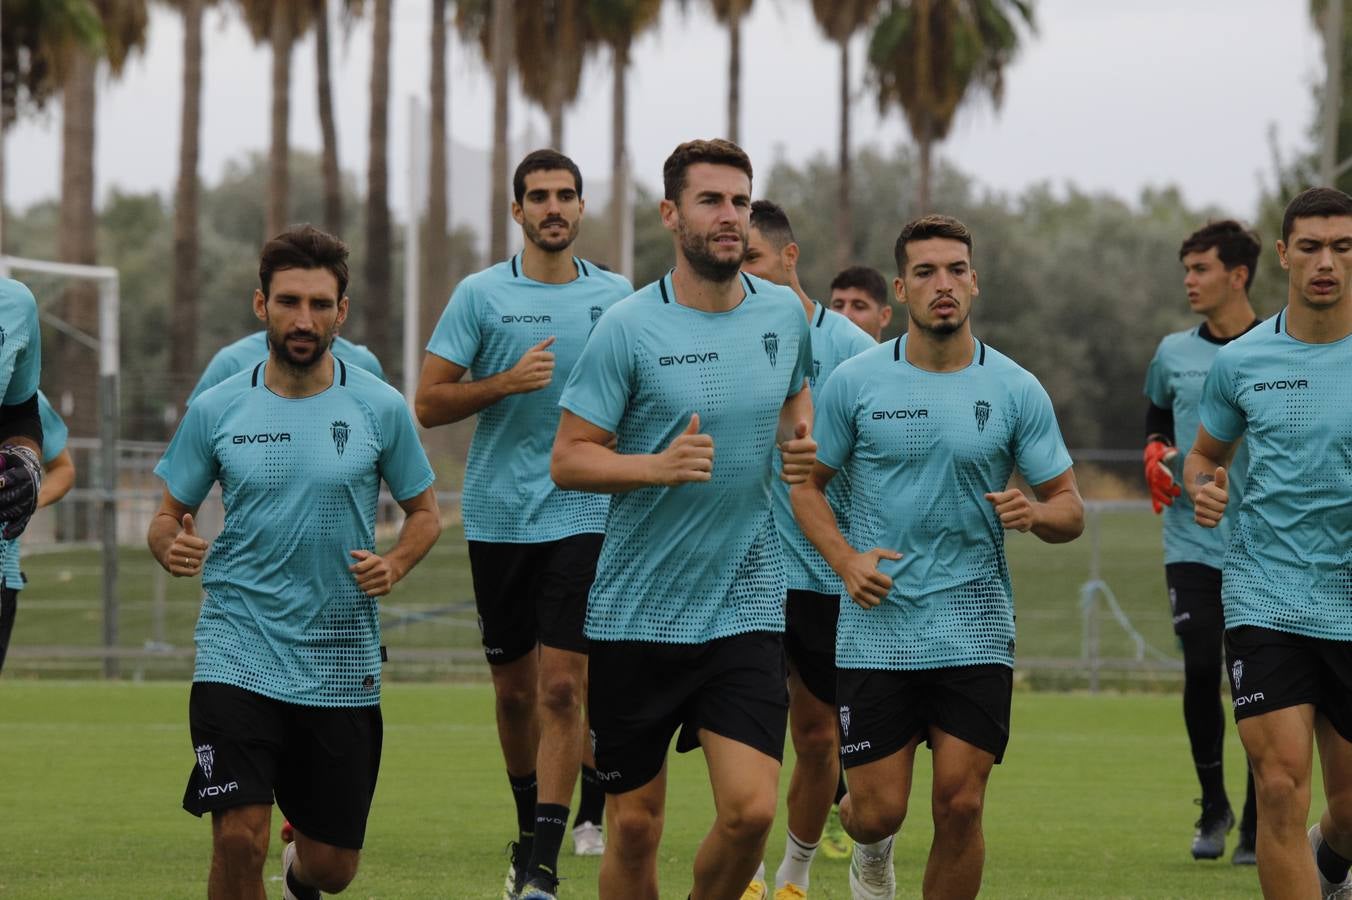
(584, 459)
(173, 538)
(863, 582)
(442, 396)
(1056, 516)
(58, 477)
(797, 449)
(1205, 478)
(377, 574)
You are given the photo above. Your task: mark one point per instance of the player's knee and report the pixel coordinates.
(515, 700)
(635, 833)
(814, 743)
(334, 874)
(561, 694)
(870, 822)
(959, 808)
(1280, 788)
(748, 820)
(241, 846)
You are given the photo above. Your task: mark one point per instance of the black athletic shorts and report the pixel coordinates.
(533, 593)
(320, 763)
(641, 692)
(1195, 597)
(882, 710)
(810, 640)
(1271, 670)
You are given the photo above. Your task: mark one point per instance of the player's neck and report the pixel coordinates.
(1318, 326)
(700, 293)
(1231, 319)
(546, 266)
(809, 305)
(294, 383)
(940, 352)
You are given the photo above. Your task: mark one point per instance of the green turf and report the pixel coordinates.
(1092, 801)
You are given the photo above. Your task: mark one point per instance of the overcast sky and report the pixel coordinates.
(1107, 96)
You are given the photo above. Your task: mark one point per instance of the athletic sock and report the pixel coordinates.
(551, 820)
(1212, 778)
(1331, 865)
(591, 806)
(523, 793)
(1248, 823)
(878, 849)
(841, 789)
(760, 872)
(797, 858)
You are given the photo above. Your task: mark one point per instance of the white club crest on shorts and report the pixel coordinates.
(206, 758)
(1237, 672)
(591, 734)
(845, 720)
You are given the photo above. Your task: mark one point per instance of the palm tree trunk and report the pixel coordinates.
(183, 322)
(734, 77)
(844, 214)
(924, 67)
(503, 33)
(436, 248)
(278, 177)
(922, 192)
(75, 368)
(377, 299)
(333, 179)
(619, 189)
(555, 109)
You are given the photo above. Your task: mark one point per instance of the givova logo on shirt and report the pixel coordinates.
(525, 320)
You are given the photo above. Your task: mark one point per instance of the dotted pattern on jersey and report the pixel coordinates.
(834, 340)
(699, 561)
(1289, 563)
(1174, 381)
(282, 615)
(926, 449)
(508, 494)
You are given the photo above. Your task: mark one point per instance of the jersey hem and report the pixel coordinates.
(278, 695)
(718, 634)
(942, 664)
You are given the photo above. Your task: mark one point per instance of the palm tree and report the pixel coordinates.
(840, 19)
(926, 57)
(377, 184)
(123, 25)
(551, 47)
(618, 23)
(436, 262)
(730, 13)
(493, 23)
(333, 184)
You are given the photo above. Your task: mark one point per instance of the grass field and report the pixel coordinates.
(1093, 800)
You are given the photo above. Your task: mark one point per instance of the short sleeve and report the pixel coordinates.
(802, 366)
(1220, 413)
(363, 358)
(1039, 450)
(189, 465)
(219, 369)
(458, 334)
(833, 422)
(403, 462)
(1157, 381)
(857, 342)
(23, 383)
(601, 383)
(54, 430)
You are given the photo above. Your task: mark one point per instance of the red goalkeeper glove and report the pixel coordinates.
(1163, 488)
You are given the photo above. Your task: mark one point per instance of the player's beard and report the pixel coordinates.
(941, 328)
(297, 364)
(551, 245)
(695, 249)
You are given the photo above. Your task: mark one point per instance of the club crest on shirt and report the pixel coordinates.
(2, 335)
(339, 431)
(595, 314)
(770, 341)
(206, 758)
(845, 720)
(816, 373)
(1237, 672)
(983, 414)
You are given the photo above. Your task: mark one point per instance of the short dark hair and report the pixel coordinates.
(770, 220)
(716, 151)
(303, 247)
(1315, 203)
(545, 160)
(926, 227)
(865, 278)
(1235, 246)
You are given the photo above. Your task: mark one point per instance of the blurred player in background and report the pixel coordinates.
(929, 427)
(1284, 389)
(58, 478)
(517, 328)
(252, 349)
(285, 700)
(675, 408)
(860, 294)
(812, 603)
(20, 419)
(1219, 264)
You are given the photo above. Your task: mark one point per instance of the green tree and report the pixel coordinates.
(930, 56)
(552, 43)
(730, 14)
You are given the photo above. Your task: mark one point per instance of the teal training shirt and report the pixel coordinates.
(1289, 563)
(1174, 381)
(252, 349)
(834, 340)
(20, 347)
(922, 449)
(493, 318)
(699, 561)
(54, 435)
(283, 616)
